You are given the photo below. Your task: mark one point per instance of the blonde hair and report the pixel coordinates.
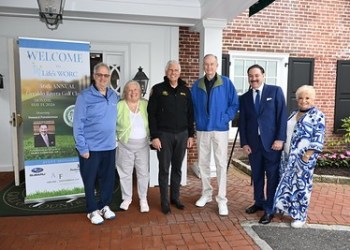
(126, 87)
(306, 89)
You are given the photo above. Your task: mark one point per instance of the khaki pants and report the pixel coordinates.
(134, 153)
(219, 141)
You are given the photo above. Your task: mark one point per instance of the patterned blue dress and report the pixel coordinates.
(296, 176)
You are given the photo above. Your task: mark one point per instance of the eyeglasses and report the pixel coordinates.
(102, 75)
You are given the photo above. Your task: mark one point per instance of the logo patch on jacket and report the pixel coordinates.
(165, 93)
(183, 93)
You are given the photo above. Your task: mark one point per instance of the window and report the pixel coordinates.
(276, 71)
(275, 66)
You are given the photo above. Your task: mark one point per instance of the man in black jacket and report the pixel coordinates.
(171, 122)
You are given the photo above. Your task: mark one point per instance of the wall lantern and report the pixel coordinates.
(50, 12)
(142, 79)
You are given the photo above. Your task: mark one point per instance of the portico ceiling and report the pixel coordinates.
(160, 12)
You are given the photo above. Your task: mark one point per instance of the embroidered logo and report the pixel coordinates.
(183, 93)
(165, 93)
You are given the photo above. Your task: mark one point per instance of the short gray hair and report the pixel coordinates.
(101, 64)
(170, 62)
(306, 89)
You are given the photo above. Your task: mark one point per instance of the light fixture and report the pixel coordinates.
(50, 12)
(142, 79)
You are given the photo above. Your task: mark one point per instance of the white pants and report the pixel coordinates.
(133, 154)
(219, 141)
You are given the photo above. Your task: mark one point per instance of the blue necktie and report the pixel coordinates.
(257, 101)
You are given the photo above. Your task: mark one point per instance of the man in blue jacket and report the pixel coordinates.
(262, 126)
(215, 104)
(94, 129)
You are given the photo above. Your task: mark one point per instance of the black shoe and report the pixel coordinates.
(253, 209)
(266, 218)
(166, 209)
(178, 204)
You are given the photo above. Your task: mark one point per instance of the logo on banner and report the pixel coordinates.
(68, 115)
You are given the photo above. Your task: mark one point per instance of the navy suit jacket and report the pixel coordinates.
(271, 118)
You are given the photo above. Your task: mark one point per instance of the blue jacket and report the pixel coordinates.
(223, 104)
(94, 121)
(271, 118)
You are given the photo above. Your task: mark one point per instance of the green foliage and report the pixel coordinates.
(337, 159)
(346, 126)
(334, 160)
(345, 139)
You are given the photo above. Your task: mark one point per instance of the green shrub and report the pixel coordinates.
(337, 159)
(334, 160)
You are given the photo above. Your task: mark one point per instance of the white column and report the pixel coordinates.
(211, 39)
(210, 43)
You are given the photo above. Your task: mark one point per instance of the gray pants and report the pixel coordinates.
(135, 153)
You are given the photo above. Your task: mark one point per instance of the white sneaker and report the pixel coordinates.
(95, 217)
(125, 204)
(203, 200)
(107, 213)
(144, 208)
(297, 223)
(223, 211)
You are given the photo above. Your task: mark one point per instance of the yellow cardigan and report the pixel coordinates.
(123, 119)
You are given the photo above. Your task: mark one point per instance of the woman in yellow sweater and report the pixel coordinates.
(133, 145)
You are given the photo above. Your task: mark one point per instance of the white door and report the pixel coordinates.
(16, 108)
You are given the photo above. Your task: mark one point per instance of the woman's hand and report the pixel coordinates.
(307, 155)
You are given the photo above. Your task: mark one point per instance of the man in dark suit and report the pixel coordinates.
(43, 139)
(262, 126)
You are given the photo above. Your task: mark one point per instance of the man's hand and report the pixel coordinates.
(277, 145)
(247, 150)
(156, 144)
(85, 155)
(190, 142)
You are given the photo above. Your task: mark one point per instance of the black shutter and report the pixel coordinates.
(300, 72)
(225, 65)
(342, 97)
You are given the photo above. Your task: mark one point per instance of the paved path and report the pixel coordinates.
(192, 228)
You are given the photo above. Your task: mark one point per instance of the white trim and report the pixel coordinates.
(282, 58)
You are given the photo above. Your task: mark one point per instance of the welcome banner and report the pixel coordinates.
(53, 72)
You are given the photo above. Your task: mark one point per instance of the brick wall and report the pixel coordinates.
(303, 28)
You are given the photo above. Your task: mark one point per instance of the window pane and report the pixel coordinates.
(239, 69)
(262, 63)
(248, 63)
(271, 80)
(239, 84)
(271, 69)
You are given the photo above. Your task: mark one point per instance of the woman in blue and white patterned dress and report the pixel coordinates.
(305, 138)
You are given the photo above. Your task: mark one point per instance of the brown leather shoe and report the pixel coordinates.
(253, 209)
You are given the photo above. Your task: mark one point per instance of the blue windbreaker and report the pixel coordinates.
(94, 122)
(223, 104)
